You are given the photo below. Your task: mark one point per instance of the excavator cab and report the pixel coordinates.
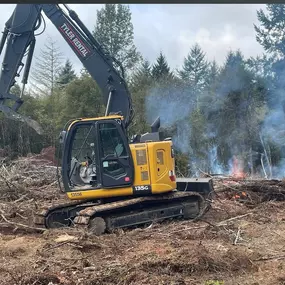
(96, 155)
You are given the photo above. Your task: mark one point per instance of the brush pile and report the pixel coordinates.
(251, 191)
(26, 185)
(29, 177)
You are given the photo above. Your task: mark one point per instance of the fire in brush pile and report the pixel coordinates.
(241, 186)
(250, 191)
(237, 169)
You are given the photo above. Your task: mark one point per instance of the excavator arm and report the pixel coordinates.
(19, 33)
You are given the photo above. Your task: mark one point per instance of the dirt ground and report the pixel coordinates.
(232, 244)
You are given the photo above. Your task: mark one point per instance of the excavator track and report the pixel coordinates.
(61, 215)
(99, 217)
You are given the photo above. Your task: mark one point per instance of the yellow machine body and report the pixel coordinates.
(153, 165)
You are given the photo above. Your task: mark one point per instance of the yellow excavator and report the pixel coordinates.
(114, 182)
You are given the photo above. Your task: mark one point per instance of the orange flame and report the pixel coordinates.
(237, 171)
(240, 196)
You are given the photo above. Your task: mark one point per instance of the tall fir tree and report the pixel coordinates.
(194, 69)
(114, 30)
(161, 69)
(194, 73)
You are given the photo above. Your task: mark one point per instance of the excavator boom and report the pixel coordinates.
(20, 35)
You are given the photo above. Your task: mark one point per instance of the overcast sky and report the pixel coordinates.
(173, 29)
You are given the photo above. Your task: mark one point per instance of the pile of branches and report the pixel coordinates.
(251, 190)
(26, 185)
(28, 177)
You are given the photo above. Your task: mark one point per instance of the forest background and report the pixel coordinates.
(215, 114)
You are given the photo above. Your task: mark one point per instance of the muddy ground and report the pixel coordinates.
(234, 243)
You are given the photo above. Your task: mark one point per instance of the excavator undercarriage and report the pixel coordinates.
(190, 201)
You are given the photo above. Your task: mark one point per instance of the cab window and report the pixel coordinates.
(111, 141)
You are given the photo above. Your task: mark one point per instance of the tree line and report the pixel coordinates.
(214, 113)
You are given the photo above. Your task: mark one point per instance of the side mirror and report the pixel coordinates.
(62, 136)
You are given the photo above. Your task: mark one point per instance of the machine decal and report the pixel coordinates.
(76, 194)
(142, 189)
(74, 40)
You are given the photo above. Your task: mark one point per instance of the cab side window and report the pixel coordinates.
(111, 141)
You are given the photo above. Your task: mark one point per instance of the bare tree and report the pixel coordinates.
(44, 82)
(47, 68)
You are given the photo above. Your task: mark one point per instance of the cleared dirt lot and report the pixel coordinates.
(234, 243)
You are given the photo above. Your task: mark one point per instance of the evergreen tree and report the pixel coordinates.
(66, 74)
(114, 29)
(261, 66)
(210, 95)
(213, 73)
(194, 73)
(270, 33)
(198, 143)
(241, 106)
(142, 75)
(195, 77)
(194, 69)
(140, 86)
(161, 69)
(209, 101)
(82, 98)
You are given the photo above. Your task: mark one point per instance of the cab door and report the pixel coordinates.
(117, 168)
